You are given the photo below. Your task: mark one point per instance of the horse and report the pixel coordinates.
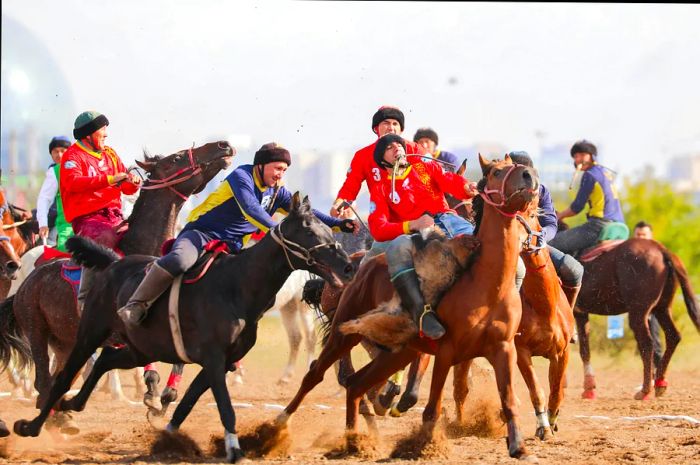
(218, 314)
(639, 277)
(45, 307)
(16, 237)
(481, 311)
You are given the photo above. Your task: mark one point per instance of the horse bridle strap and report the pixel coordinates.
(301, 251)
(173, 179)
(528, 248)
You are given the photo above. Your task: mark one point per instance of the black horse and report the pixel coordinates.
(218, 314)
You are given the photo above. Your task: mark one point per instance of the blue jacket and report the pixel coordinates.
(240, 206)
(547, 217)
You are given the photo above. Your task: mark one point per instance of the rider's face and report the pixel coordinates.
(427, 144)
(274, 172)
(388, 126)
(643, 233)
(393, 152)
(583, 158)
(57, 153)
(97, 138)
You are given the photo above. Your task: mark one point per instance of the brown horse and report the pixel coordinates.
(481, 311)
(639, 277)
(15, 240)
(44, 306)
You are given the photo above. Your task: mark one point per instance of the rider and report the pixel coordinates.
(407, 198)
(243, 203)
(428, 139)
(386, 120)
(49, 196)
(568, 268)
(598, 191)
(92, 179)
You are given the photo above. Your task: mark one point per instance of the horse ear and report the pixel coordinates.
(296, 202)
(507, 159)
(146, 165)
(462, 168)
(485, 165)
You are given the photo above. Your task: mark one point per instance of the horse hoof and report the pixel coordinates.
(395, 412)
(69, 427)
(152, 402)
(407, 401)
(588, 394)
(529, 458)
(544, 433)
(168, 396)
(641, 395)
(24, 428)
(660, 386)
(236, 456)
(379, 409)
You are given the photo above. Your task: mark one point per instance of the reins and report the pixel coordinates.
(301, 251)
(173, 179)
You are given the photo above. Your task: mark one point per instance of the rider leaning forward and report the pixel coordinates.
(92, 179)
(407, 197)
(243, 203)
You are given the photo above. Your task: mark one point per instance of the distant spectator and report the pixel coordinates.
(643, 230)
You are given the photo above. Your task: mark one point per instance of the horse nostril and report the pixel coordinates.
(12, 266)
(349, 270)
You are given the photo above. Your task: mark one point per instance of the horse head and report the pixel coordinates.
(508, 187)
(9, 260)
(309, 244)
(188, 171)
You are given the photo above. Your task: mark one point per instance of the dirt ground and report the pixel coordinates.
(613, 428)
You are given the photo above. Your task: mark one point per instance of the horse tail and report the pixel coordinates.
(89, 253)
(12, 340)
(681, 273)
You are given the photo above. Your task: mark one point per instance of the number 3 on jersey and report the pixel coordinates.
(376, 174)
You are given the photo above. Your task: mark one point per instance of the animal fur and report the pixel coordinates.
(439, 262)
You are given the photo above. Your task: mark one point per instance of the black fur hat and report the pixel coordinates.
(387, 113)
(426, 132)
(381, 146)
(272, 152)
(88, 122)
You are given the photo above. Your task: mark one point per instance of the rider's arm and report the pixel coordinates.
(47, 194)
(380, 226)
(354, 177)
(126, 186)
(548, 217)
(450, 183)
(584, 192)
(242, 186)
(285, 200)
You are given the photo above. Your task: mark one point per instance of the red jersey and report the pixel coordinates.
(364, 168)
(86, 181)
(420, 189)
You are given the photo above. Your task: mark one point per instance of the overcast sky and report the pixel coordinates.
(311, 74)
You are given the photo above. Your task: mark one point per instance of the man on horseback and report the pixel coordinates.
(428, 139)
(598, 191)
(243, 203)
(408, 197)
(386, 120)
(568, 268)
(92, 179)
(50, 197)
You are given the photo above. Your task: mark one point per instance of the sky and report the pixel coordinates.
(309, 75)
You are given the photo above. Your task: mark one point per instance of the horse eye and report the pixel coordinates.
(497, 172)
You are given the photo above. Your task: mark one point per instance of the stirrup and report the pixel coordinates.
(426, 309)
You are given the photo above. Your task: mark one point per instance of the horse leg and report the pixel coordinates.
(115, 386)
(443, 362)
(370, 375)
(110, 359)
(557, 378)
(288, 314)
(137, 373)
(584, 329)
(169, 394)
(307, 325)
(415, 375)
(39, 343)
(199, 386)
(84, 348)
(460, 388)
(524, 357)
(337, 346)
(151, 378)
(215, 372)
(672, 336)
(503, 361)
(639, 323)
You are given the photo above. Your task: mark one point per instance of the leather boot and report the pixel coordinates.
(86, 278)
(571, 294)
(156, 281)
(408, 288)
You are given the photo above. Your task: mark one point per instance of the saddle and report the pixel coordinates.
(612, 235)
(211, 250)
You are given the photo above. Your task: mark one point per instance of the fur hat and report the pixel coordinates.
(381, 146)
(272, 152)
(583, 146)
(59, 141)
(426, 132)
(387, 112)
(88, 122)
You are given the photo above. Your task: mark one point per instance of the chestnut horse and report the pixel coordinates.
(481, 311)
(639, 277)
(44, 306)
(15, 240)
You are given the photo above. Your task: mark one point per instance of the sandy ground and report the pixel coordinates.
(591, 432)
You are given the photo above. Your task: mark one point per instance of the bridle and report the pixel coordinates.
(486, 194)
(291, 247)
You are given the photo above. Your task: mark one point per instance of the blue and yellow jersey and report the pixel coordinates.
(449, 157)
(240, 206)
(598, 191)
